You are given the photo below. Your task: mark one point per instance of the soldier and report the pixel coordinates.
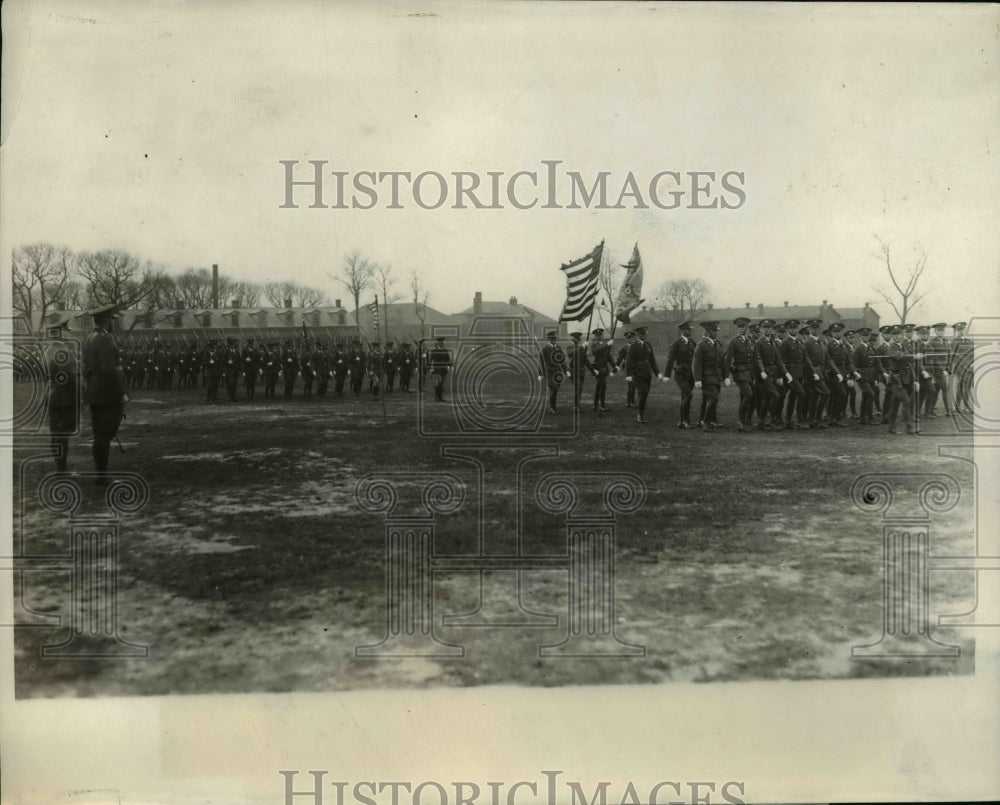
(374, 365)
(770, 372)
(817, 362)
(962, 357)
(271, 369)
(231, 368)
(195, 365)
(306, 370)
(640, 366)
(630, 385)
(897, 367)
(679, 359)
(390, 362)
(738, 359)
(937, 364)
(577, 364)
(792, 354)
(212, 364)
(863, 360)
(407, 364)
(105, 393)
(553, 362)
(439, 363)
(340, 363)
(356, 367)
(851, 342)
(603, 364)
(840, 371)
(289, 367)
(709, 370)
(321, 364)
(63, 401)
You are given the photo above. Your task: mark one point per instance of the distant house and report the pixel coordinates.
(510, 319)
(406, 322)
(662, 323)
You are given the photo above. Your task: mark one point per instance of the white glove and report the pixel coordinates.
(568, 375)
(857, 375)
(916, 387)
(727, 381)
(788, 377)
(925, 375)
(629, 379)
(850, 384)
(539, 378)
(840, 377)
(662, 378)
(697, 384)
(594, 372)
(944, 372)
(763, 375)
(815, 376)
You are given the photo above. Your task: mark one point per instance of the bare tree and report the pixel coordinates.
(277, 292)
(384, 282)
(609, 279)
(245, 294)
(192, 289)
(115, 277)
(310, 297)
(906, 296)
(420, 297)
(358, 272)
(38, 279)
(687, 297)
(75, 294)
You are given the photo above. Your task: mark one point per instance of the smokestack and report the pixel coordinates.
(747, 304)
(288, 303)
(477, 303)
(336, 303)
(215, 286)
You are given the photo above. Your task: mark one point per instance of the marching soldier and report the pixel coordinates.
(307, 370)
(738, 358)
(603, 364)
(630, 385)
(897, 368)
(289, 367)
(577, 363)
(709, 369)
(212, 367)
(390, 360)
(251, 367)
(553, 362)
(770, 377)
(962, 357)
(817, 363)
(937, 363)
(231, 368)
(863, 360)
(340, 361)
(271, 369)
(840, 372)
(439, 363)
(407, 365)
(679, 359)
(792, 354)
(640, 366)
(321, 365)
(356, 367)
(373, 363)
(105, 392)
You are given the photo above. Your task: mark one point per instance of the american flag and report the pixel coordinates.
(373, 307)
(581, 285)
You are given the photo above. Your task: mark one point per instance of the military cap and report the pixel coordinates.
(741, 321)
(640, 330)
(685, 325)
(376, 343)
(597, 331)
(804, 331)
(896, 329)
(552, 334)
(710, 325)
(104, 312)
(440, 339)
(885, 329)
(754, 325)
(62, 322)
(629, 334)
(576, 334)
(923, 328)
(767, 323)
(939, 326)
(836, 327)
(791, 324)
(815, 322)
(849, 333)
(862, 331)
(779, 327)
(909, 327)
(958, 325)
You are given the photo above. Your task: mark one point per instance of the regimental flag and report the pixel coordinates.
(631, 288)
(373, 307)
(582, 277)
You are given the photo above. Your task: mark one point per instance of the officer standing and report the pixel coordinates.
(770, 376)
(251, 368)
(738, 358)
(863, 360)
(407, 364)
(792, 355)
(840, 371)
(962, 357)
(212, 364)
(578, 364)
(640, 366)
(679, 359)
(817, 363)
(439, 362)
(340, 361)
(897, 369)
(289, 367)
(709, 370)
(356, 367)
(106, 393)
(937, 363)
(603, 364)
(629, 385)
(553, 363)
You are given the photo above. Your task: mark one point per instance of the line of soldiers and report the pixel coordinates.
(229, 364)
(790, 375)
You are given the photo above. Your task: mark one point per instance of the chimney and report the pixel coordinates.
(513, 300)
(760, 309)
(786, 304)
(477, 303)
(288, 303)
(711, 306)
(866, 306)
(336, 303)
(747, 304)
(235, 303)
(215, 286)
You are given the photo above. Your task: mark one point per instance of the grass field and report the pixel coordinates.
(252, 568)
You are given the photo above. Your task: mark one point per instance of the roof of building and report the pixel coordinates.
(777, 312)
(510, 309)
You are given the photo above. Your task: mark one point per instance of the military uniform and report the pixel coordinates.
(439, 364)
(232, 367)
(251, 365)
(792, 353)
(770, 372)
(340, 362)
(962, 358)
(680, 356)
(863, 360)
(630, 384)
(578, 364)
(709, 370)
(603, 365)
(390, 362)
(938, 365)
(289, 368)
(63, 400)
(553, 362)
(272, 369)
(356, 367)
(640, 365)
(840, 371)
(817, 362)
(738, 358)
(212, 366)
(373, 362)
(105, 392)
(407, 365)
(321, 365)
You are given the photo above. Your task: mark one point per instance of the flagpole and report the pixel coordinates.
(381, 365)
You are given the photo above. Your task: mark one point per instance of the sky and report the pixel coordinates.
(160, 128)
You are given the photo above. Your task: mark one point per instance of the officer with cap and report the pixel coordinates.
(937, 363)
(792, 354)
(604, 364)
(63, 391)
(578, 364)
(105, 393)
(738, 358)
(212, 363)
(553, 368)
(709, 370)
(817, 363)
(640, 366)
(679, 359)
(962, 357)
(439, 363)
(630, 385)
(897, 369)
(840, 371)
(770, 374)
(863, 361)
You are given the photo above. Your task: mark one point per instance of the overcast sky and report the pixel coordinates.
(159, 128)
